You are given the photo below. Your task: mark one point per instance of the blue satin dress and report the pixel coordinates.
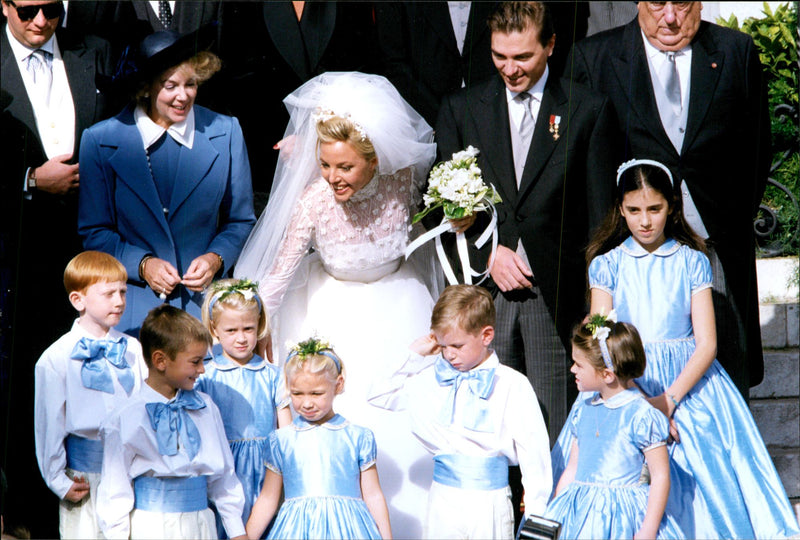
(321, 468)
(607, 498)
(247, 397)
(724, 484)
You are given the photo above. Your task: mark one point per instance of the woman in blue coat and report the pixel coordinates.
(165, 184)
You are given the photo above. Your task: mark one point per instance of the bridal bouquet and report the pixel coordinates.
(458, 187)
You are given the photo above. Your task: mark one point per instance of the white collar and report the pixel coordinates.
(182, 132)
(635, 249)
(536, 91)
(22, 52)
(490, 363)
(222, 363)
(618, 400)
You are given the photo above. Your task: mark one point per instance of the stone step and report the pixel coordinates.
(781, 375)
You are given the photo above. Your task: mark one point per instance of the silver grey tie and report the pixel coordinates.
(525, 134)
(672, 83)
(40, 66)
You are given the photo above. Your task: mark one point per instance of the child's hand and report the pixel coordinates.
(78, 490)
(666, 406)
(645, 534)
(426, 345)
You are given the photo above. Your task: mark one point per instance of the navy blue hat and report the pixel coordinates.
(158, 52)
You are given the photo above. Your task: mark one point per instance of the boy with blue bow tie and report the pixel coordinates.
(80, 380)
(475, 415)
(165, 451)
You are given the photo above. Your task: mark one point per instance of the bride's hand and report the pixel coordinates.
(286, 146)
(462, 224)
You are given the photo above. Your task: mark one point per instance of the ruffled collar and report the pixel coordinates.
(223, 363)
(635, 249)
(368, 191)
(337, 422)
(617, 401)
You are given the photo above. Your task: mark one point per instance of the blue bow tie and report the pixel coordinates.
(480, 383)
(96, 355)
(170, 422)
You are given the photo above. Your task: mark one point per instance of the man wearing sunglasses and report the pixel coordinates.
(49, 97)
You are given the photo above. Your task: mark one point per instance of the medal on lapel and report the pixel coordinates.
(555, 122)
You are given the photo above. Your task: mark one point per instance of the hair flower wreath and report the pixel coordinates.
(313, 346)
(248, 289)
(634, 162)
(598, 326)
(323, 115)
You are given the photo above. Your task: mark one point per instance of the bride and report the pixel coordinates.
(353, 164)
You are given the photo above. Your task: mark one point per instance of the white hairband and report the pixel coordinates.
(634, 162)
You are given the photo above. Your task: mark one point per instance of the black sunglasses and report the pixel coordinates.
(50, 11)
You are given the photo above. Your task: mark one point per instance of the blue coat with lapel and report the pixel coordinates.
(120, 212)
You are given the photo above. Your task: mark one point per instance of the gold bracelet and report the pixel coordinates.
(142, 265)
(221, 261)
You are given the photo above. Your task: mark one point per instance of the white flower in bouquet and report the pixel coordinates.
(458, 187)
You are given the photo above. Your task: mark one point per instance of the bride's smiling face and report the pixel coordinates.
(344, 168)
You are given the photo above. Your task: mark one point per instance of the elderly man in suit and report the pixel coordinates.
(50, 97)
(544, 144)
(690, 95)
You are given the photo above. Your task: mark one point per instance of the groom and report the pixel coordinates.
(544, 144)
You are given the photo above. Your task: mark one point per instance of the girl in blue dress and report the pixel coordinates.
(247, 389)
(649, 266)
(323, 463)
(601, 493)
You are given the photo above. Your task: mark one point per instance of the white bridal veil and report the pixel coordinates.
(401, 138)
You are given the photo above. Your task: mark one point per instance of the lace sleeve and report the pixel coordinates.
(291, 251)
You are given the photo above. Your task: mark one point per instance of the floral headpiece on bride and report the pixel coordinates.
(323, 115)
(599, 327)
(313, 346)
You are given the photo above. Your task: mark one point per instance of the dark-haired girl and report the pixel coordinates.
(649, 266)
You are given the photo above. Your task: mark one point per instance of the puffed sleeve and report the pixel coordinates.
(280, 399)
(700, 275)
(274, 458)
(603, 273)
(651, 429)
(367, 450)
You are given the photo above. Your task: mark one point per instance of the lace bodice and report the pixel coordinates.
(368, 232)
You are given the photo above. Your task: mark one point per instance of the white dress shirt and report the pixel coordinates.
(55, 121)
(130, 450)
(63, 406)
(683, 63)
(519, 433)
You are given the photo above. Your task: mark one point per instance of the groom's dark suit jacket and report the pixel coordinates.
(566, 187)
(725, 156)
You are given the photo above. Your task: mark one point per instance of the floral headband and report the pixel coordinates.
(323, 115)
(313, 346)
(600, 332)
(634, 162)
(248, 289)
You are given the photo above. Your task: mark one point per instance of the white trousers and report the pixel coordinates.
(469, 513)
(79, 520)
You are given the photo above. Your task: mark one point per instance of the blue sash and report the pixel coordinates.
(170, 494)
(84, 455)
(471, 472)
